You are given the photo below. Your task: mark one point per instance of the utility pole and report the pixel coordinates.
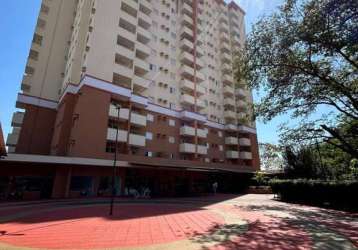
(114, 163)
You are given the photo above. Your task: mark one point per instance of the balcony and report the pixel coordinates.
(186, 33)
(144, 33)
(231, 140)
(139, 120)
(202, 150)
(144, 49)
(187, 99)
(145, 18)
(200, 104)
(229, 91)
(187, 115)
(129, 18)
(123, 113)
(188, 21)
(111, 135)
(229, 102)
(232, 154)
(132, 4)
(187, 71)
(17, 119)
(13, 137)
(189, 86)
(146, 7)
(187, 58)
(127, 34)
(225, 67)
(245, 142)
(231, 127)
(245, 129)
(26, 82)
(224, 37)
(187, 148)
(125, 52)
(140, 82)
(225, 48)
(246, 155)
(202, 133)
(229, 114)
(226, 58)
(187, 45)
(143, 66)
(187, 9)
(123, 70)
(187, 131)
(227, 79)
(137, 140)
(200, 76)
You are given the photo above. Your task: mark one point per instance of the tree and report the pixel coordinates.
(303, 57)
(271, 157)
(302, 163)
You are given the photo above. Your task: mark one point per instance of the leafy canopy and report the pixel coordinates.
(305, 56)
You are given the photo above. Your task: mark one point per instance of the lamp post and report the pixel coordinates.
(114, 163)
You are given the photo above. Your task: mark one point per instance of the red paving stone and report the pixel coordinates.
(90, 227)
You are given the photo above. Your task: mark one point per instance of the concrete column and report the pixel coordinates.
(61, 185)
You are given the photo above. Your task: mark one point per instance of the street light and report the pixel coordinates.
(118, 108)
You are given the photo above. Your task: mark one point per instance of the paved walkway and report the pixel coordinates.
(219, 222)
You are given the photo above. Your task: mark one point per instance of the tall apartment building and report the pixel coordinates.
(158, 71)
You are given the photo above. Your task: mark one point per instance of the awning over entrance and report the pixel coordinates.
(127, 162)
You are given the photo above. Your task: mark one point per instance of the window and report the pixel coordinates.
(221, 148)
(149, 136)
(150, 117)
(220, 134)
(171, 139)
(110, 147)
(149, 154)
(172, 90)
(172, 105)
(171, 122)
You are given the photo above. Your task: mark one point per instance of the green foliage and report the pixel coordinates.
(303, 57)
(336, 193)
(302, 164)
(260, 178)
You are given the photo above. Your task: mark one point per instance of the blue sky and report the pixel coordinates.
(17, 22)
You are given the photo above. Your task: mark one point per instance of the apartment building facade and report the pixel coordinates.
(152, 79)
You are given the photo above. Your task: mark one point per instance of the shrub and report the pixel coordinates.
(339, 194)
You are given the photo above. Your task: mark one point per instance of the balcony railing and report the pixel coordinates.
(17, 119)
(187, 148)
(137, 140)
(122, 135)
(231, 141)
(137, 119)
(232, 154)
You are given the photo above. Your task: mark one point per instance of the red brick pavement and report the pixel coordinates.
(90, 227)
